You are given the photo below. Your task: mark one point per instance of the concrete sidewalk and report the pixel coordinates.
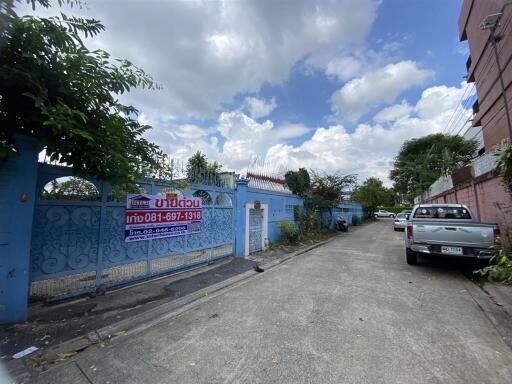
(350, 311)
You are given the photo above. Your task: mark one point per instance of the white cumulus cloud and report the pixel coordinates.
(381, 86)
(367, 151)
(204, 53)
(371, 148)
(393, 113)
(259, 107)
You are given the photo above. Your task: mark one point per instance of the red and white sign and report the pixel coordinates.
(154, 217)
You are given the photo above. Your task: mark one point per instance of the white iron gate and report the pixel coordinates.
(255, 230)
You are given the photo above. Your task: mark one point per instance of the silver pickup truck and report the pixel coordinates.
(448, 230)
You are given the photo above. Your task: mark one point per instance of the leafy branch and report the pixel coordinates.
(53, 88)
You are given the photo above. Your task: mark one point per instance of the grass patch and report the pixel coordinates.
(306, 239)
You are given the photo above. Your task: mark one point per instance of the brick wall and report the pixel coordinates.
(488, 200)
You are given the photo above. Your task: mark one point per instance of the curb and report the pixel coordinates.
(500, 319)
(21, 369)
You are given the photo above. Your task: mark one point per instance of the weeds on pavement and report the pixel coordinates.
(500, 267)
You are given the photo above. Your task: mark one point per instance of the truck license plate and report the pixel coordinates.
(451, 250)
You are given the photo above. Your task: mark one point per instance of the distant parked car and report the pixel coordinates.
(382, 213)
(407, 211)
(401, 221)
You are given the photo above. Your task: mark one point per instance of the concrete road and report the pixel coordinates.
(351, 311)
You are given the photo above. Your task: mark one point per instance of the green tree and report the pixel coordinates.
(75, 188)
(372, 194)
(200, 171)
(422, 161)
(327, 191)
(65, 96)
(299, 182)
(504, 167)
(120, 190)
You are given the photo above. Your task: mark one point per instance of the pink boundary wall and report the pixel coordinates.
(488, 200)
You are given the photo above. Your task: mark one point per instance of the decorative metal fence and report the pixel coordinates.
(78, 246)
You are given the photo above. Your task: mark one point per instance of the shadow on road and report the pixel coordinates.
(52, 324)
(465, 266)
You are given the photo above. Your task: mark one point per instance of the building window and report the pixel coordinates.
(476, 107)
(468, 63)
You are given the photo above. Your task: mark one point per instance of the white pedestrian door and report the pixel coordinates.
(255, 230)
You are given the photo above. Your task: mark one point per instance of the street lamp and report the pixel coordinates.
(491, 22)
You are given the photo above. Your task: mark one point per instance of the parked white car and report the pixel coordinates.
(382, 213)
(400, 222)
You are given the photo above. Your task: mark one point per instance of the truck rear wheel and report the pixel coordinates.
(411, 257)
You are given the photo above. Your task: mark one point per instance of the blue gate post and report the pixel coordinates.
(240, 197)
(18, 177)
(106, 188)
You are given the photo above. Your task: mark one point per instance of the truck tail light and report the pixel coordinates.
(497, 235)
(409, 231)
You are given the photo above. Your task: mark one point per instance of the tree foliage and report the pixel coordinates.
(120, 190)
(327, 189)
(200, 171)
(53, 88)
(504, 167)
(422, 161)
(372, 194)
(299, 182)
(74, 188)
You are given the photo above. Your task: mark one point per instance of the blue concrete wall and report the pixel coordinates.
(17, 196)
(280, 208)
(27, 230)
(348, 210)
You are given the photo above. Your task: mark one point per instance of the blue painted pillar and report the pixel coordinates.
(241, 198)
(18, 176)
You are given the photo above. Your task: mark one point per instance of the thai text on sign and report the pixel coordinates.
(155, 217)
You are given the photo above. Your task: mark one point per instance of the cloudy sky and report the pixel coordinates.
(333, 85)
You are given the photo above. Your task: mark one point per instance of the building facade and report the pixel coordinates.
(490, 55)
(487, 27)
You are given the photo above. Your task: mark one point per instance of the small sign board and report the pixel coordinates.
(171, 196)
(155, 217)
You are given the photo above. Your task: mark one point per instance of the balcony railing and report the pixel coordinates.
(485, 163)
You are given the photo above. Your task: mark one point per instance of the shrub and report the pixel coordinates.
(500, 268)
(504, 167)
(289, 232)
(307, 220)
(356, 220)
